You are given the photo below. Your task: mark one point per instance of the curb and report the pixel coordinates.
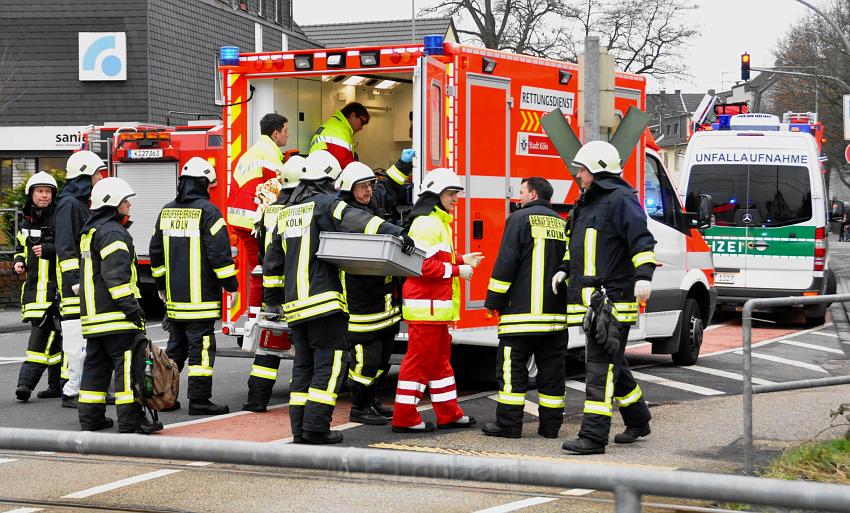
(840, 316)
(14, 328)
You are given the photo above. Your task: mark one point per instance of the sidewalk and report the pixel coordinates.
(10, 321)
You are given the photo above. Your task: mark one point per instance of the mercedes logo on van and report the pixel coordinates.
(747, 218)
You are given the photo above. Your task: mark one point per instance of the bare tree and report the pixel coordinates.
(7, 75)
(811, 46)
(644, 36)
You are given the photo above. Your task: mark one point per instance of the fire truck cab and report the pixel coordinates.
(476, 111)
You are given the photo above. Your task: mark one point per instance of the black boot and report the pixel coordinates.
(367, 416)
(104, 423)
(463, 422)
(23, 393)
(326, 438)
(173, 407)
(494, 429)
(49, 393)
(547, 432)
(381, 409)
(583, 446)
(254, 407)
(70, 401)
(207, 407)
(630, 435)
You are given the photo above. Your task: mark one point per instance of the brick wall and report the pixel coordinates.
(10, 286)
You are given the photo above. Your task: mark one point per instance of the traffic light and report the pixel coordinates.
(745, 66)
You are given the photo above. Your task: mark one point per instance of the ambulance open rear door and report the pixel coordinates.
(430, 117)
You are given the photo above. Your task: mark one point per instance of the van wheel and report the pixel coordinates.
(690, 334)
(815, 316)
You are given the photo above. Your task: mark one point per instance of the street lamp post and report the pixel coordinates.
(832, 23)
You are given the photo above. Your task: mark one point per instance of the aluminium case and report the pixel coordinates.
(371, 255)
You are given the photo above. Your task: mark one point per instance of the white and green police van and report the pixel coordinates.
(769, 235)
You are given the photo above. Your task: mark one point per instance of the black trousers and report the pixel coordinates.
(194, 340)
(608, 379)
(317, 372)
(44, 351)
(103, 356)
(262, 379)
(370, 361)
(549, 351)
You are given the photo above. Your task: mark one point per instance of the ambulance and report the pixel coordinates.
(476, 111)
(765, 180)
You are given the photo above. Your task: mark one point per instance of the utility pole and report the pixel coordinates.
(413, 21)
(591, 88)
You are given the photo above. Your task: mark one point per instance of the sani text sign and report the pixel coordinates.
(103, 56)
(545, 100)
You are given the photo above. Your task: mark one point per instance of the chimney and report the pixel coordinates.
(663, 92)
(711, 92)
(678, 92)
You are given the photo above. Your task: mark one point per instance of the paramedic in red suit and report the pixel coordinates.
(430, 303)
(257, 165)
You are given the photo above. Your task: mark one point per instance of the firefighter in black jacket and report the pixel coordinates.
(111, 315)
(374, 302)
(38, 295)
(72, 209)
(532, 319)
(312, 297)
(191, 262)
(610, 249)
(264, 370)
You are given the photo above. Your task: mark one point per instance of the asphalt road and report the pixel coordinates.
(784, 350)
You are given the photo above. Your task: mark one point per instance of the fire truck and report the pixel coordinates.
(478, 112)
(148, 157)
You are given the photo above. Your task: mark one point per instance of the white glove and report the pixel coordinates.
(473, 259)
(557, 280)
(234, 298)
(643, 288)
(75, 288)
(465, 271)
(161, 295)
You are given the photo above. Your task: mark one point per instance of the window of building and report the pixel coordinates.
(219, 90)
(676, 129)
(277, 11)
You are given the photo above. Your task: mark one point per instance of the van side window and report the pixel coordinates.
(435, 128)
(660, 198)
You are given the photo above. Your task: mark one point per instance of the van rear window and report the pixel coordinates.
(772, 195)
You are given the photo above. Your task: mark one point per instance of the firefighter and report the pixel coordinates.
(191, 262)
(611, 250)
(111, 315)
(72, 209)
(38, 295)
(264, 369)
(374, 306)
(256, 166)
(336, 135)
(312, 297)
(532, 318)
(430, 302)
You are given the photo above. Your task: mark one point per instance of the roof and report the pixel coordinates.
(378, 33)
(672, 103)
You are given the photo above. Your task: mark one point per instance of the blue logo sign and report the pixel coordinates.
(103, 56)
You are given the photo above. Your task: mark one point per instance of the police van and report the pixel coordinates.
(769, 234)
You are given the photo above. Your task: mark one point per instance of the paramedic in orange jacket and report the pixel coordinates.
(257, 165)
(430, 303)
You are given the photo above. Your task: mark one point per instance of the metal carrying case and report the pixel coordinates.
(373, 255)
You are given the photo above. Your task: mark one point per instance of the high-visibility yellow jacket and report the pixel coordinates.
(434, 296)
(38, 292)
(190, 254)
(258, 164)
(337, 137)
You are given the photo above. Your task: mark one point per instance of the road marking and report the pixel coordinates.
(7, 460)
(199, 464)
(24, 510)
(82, 494)
(768, 341)
(786, 361)
(720, 325)
(823, 334)
(513, 506)
(725, 374)
(12, 358)
(219, 417)
(577, 492)
(812, 346)
(575, 385)
(676, 384)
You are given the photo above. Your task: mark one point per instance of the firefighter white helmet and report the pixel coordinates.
(441, 179)
(41, 179)
(110, 192)
(196, 167)
(599, 157)
(354, 173)
(292, 171)
(321, 164)
(83, 163)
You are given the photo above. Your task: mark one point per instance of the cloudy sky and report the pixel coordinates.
(729, 27)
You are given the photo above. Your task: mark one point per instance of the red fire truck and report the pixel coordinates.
(476, 111)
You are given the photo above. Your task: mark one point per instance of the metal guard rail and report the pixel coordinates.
(627, 484)
(747, 333)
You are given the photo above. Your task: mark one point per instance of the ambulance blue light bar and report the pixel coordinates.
(228, 55)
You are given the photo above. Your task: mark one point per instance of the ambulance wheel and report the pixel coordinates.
(690, 334)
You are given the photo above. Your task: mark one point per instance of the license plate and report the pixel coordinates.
(145, 154)
(724, 278)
